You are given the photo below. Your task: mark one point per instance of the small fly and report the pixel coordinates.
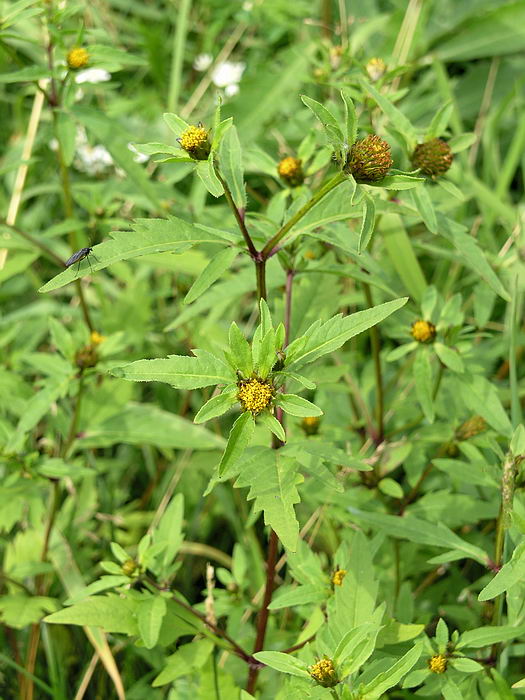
(81, 255)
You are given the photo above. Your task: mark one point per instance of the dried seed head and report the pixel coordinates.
(194, 140)
(471, 427)
(434, 157)
(437, 663)
(375, 68)
(324, 673)
(423, 331)
(255, 395)
(86, 357)
(77, 58)
(338, 577)
(369, 159)
(291, 171)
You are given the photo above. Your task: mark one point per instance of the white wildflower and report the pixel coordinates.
(202, 62)
(227, 73)
(92, 160)
(231, 90)
(92, 75)
(138, 157)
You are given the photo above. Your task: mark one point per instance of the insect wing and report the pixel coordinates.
(79, 255)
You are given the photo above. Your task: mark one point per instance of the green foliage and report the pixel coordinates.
(266, 441)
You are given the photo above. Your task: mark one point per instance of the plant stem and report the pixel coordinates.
(178, 50)
(239, 216)
(262, 621)
(260, 274)
(273, 246)
(288, 305)
(34, 241)
(376, 349)
(74, 420)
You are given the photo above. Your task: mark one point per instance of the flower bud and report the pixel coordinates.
(338, 577)
(369, 159)
(310, 425)
(433, 157)
(129, 567)
(290, 170)
(437, 663)
(423, 331)
(194, 140)
(324, 673)
(375, 68)
(77, 58)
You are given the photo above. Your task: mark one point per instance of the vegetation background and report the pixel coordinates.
(380, 553)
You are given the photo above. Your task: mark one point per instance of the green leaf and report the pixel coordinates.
(297, 406)
(398, 182)
(150, 614)
(508, 576)
(273, 481)
(390, 488)
(112, 613)
(238, 440)
(240, 350)
(150, 236)
(481, 397)
(185, 661)
(439, 122)
(420, 531)
(301, 595)
(423, 203)
(423, 381)
(401, 253)
(396, 117)
(66, 133)
(449, 357)
(119, 553)
(442, 635)
(219, 263)
(323, 338)
(168, 533)
(216, 406)
(388, 679)
(367, 223)
(175, 123)
(231, 166)
(180, 371)
(285, 663)
(206, 172)
(486, 636)
(328, 120)
(145, 424)
(465, 665)
(273, 425)
(350, 117)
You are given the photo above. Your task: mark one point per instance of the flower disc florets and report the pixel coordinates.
(423, 331)
(338, 577)
(324, 673)
(194, 140)
(77, 57)
(437, 663)
(369, 159)
(433, 157)
(255, 395)
(290, 170)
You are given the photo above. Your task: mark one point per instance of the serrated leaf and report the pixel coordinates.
(273, 425)
(232, 167)
(273, 480)
(150, 614)
(219, 263)
(297, 406)
(286, 663)
(181, 371)
(323, 338)
(216, 406)
(238, 440)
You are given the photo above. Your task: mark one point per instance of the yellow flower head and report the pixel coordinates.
(194, 140)
(96, 338)
(437, 663)
(434, 157)
(290, 170)
(423, 331)
(129, 567)
(369, 159)
(338, 577)
(324, 673)
(375, 68)
(254, 395)
(310, 425)
(77, 57)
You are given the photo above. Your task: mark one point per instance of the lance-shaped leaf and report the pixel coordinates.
(333, 131)
(397, 118)
(181, 371)
(149, 236)
(240, 350)
(283, 662)
(211, 273)
(273, 481)
(231, 166)
(388, 679)
(216, 406)
(323, 338)
(297, 406)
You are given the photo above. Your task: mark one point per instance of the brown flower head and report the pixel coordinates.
(433, 157)
(369, 159)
